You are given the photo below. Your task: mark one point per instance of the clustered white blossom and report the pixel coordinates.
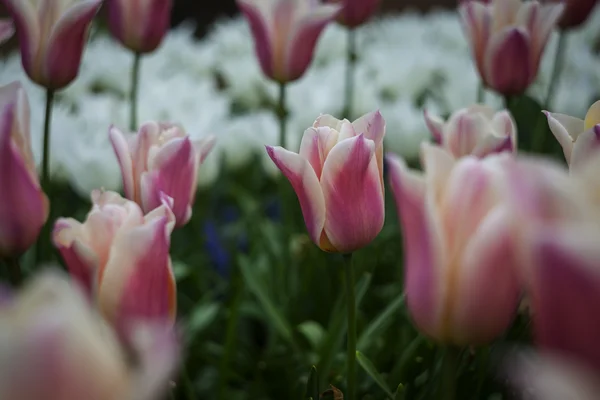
(214, 86)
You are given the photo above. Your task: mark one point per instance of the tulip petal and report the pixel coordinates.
(121, 148)
(351, 185)
(315, 146)
(566, 129)
(438, 164)
(66, 42)
(372, 125)
(158, 17)
(592, 117)
(27, 26)
(303, 179)
(260, 31)
(477, 23)
(465, 130)
(504, 137)
(540, 20)
(421, 244)
(507, 66)
(435, 124)
(326, 120)
(585, 147)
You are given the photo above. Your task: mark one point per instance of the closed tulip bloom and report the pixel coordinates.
(7, 30)
(356, 12)
(52, 35)
(286, 33)
(576, 12)
(54, 347)
(161, 158)
(121, 257)
(579, 138)
(338, 178)
(508, 38)
(460, 281)
(23, 205)
(477, 130)
(139, 25)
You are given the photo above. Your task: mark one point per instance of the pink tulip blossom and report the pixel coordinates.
(356, 12)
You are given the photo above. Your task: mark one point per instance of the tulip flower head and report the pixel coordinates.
(576, 12)
(579, 138)
(476, 130)
(508, 38)
(459, 246)
(52, 35)
(285, 33)
(23, 205)
(356, 12)
(54, 347)
(161, 159)
(121, 257)
(139, 25)
(338, 178)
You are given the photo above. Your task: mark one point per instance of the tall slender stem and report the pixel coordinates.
(480, 93)
(282, 114)
(14, 271)
(557, 68)
(449, 368)
(133, 95)
(351, 349)
(350, 67)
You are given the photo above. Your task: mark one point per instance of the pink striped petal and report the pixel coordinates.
(303, 179)
(157, 23)
(121, 148)
(372, 125)
(476, 20)
(421, 244)
(438, 164)
(463, 133)
(585, 147)
(66, 43)
(540, 20)
(566, 129)
(353, 194)
(507, 67)
(435, 125)
(357, 12)
(316, 145)
(26, 22)
(260, 31)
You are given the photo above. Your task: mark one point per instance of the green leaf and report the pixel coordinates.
(400, 392)
(313, 331)
(201, 318)
(312, 385)
(370, 369)
(279, 322)
(383, 320)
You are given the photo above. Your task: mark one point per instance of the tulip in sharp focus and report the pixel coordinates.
(579, 138)
(139, 25)
(54, 347)
(460, 251)
(508, 38)
(23, 205)
(476, 130)
(52, 35)
(338, 177)
(121, 257)
(356, 12)
(285, 33)
(161, 159)
(7, 29)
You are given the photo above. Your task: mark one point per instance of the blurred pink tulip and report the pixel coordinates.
(508, 38)
(161, 158)
(23, 205)
(579, 138)
(52, 35)
(576, 12)
(139, 25)
(54, 347)
(338, 178)
(476, 130)
(285, 33)
(7, 30)
(122, 258)
(356, 12)
(460, 281)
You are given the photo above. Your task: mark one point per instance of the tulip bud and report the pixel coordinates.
(122, 258)
(460, 250)
(580, 139)
(508, 38)
(576, 12)
(356, 12)
(52, 35)
(161, 159)
(54, 347)
(476, 130)
(285, 33)
(139, 25)
(338, 178)
(23, 205)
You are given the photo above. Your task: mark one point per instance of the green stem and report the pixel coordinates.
(187, 384)
(449, 368)
(351, 350)
(480, 93)
(14, 271)
(133, 95)
(282, 114)
(350, 67)
(557, 69)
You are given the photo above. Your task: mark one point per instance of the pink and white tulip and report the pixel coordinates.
(54, 347)
(121, 257)
(286, 33)
(338, 178)
(161, 159)
(7, 30)
(460, 250)
(579, 138)
(23, 205)
(356, 12)
(508, 38)
(52, 35)
(476, 130)
(139, 25)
